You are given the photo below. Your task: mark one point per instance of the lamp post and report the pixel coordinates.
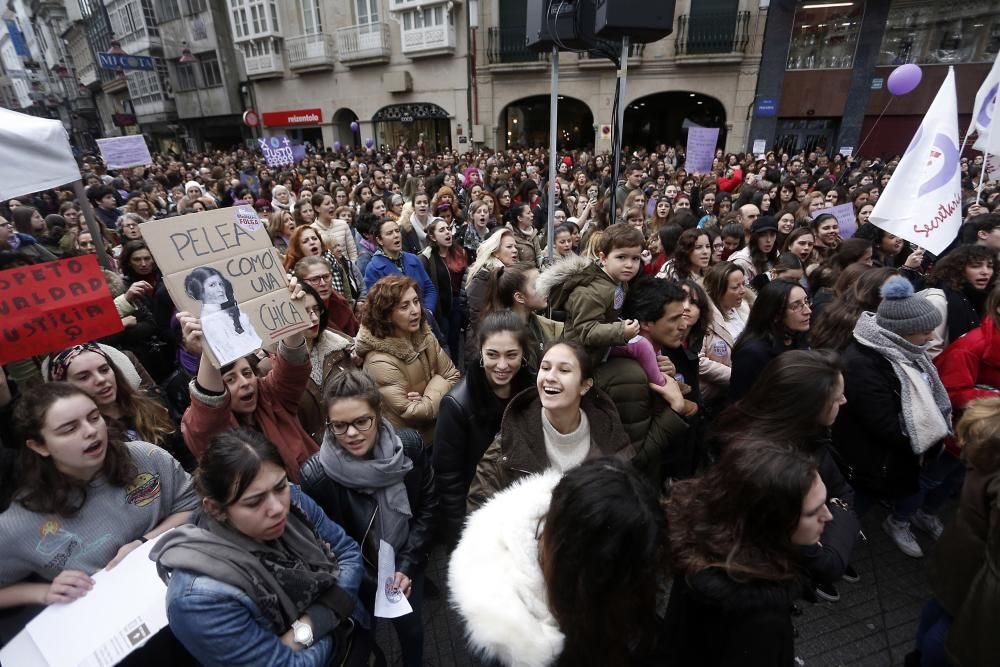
(188, 58)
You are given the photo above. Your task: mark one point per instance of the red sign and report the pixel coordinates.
(293, 117)
(250, 118)
(49, 307)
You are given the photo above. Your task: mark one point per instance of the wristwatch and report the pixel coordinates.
(302, 633)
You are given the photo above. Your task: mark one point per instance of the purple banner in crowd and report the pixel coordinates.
(701, 149)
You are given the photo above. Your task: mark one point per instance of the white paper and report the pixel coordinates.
(759, 146)
(388, 603)
(125, 608)
(700, 151)
(37, 155)
(122, 152)
(846, 151)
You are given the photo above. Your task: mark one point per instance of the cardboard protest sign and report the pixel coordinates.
(49, 307)
(701, 149)
(277, 151)
(220, 265)
(845, 219)
(122, 152)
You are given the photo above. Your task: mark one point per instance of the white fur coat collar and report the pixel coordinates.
(496, 582)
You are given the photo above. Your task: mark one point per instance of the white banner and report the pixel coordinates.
(983, 113)
(923, 201)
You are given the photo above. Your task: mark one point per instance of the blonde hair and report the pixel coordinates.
(593, 245)
(978, 433)
(484, 256)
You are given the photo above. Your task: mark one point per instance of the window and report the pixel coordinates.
(196, 6)
(825, 37)
(211, 73)
(367, 11)
(167, 10)
(312, 23)
(924, 31)
(185, 77)
(240, 25)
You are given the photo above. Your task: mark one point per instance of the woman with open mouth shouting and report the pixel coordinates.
(561, 422)
(234, 395)
(86, 498)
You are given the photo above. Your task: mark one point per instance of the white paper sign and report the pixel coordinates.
(701, 149)
(846, 151)
(389, 603)
(759, 146)
(125, 608)
(845, 218)
(121, 152)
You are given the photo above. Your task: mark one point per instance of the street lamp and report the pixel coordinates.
(116, 48)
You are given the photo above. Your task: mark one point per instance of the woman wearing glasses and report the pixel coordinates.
(779, 321)
(376, 483)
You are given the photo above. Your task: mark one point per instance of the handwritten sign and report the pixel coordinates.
(277, 151)
(846, 219)
(49, 307)
(701, 149)
(846, 151)
(122, 152)
(221, 266)
(759, 146)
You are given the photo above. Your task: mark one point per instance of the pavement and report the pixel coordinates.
(873, 624)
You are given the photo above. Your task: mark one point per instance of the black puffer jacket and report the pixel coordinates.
(468, 421)
(355, 511)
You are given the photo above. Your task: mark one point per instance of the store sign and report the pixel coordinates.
(406, 119)
(766, 107)
(293, 117)
(112, 61)
(878, 83)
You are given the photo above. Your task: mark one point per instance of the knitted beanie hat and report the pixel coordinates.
(904, 313)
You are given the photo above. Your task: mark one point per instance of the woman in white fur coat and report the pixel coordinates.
(563, 570)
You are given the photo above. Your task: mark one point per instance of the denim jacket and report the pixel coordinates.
(220, 625)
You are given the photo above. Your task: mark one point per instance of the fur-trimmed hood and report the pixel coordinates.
(496, 582)
(556, 282)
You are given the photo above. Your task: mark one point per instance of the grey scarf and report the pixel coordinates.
(380, 476)
(283, 577)
(926, 407)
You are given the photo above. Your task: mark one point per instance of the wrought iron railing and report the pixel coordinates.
(713, 33)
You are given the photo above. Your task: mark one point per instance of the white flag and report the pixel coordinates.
(923, 201)
(984, 112)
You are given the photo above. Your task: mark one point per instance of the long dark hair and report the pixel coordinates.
(685, 246)
(950, 270)
(767, 317)
(739, 516)
(785, 402)
(603, 604)
(500, 321)
(230, 464)
(697, 330)
(194, 286)
(43, 488)
(759, 260)
(129, 249)
(857, 290)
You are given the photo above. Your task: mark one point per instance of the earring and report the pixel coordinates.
(481, 364)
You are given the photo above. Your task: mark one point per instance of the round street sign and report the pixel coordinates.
(250, 118)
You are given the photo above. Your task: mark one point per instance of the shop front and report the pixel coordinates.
(411, 124)
(300, 125)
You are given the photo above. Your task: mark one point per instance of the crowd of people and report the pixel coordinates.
(644, 445)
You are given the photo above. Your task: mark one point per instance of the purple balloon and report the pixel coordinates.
(336, 146)
(904, 79)
(369, 142)
(354, 126)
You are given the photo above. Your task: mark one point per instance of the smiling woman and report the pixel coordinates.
(558, 424)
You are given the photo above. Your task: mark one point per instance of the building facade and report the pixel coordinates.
(825, 66)
(704, 73)
(398, 69)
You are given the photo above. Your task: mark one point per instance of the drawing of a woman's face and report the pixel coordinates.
(214, 291)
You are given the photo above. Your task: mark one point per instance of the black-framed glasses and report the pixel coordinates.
(361, 424)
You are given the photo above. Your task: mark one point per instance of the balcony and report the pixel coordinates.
(712, 38)
(311, 52)
(594, 60)
(506, 52)
(364, 44)
(428, 41)
(265, 66)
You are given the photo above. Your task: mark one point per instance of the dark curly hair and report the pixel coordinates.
(856, 290)
(685, 246)
(383, 297)
(950, 270)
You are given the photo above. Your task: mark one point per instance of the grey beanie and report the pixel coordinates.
(904, 313)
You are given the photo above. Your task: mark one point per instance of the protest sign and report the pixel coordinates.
(759, 146)
(220, 265)
(122, 152)
(277, 151)
(125, 608)
(701, 149)
(51, 306)
(846, 151)
(845, 219)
